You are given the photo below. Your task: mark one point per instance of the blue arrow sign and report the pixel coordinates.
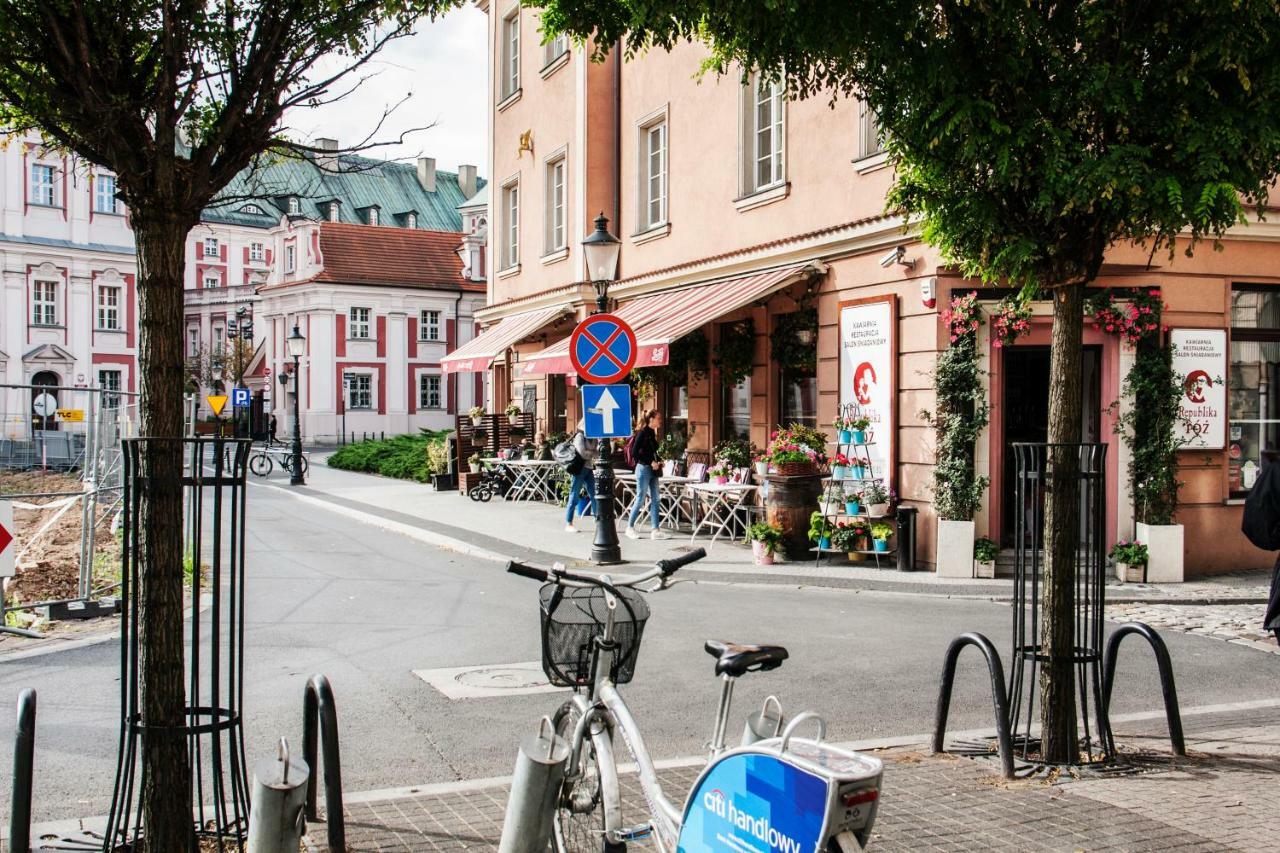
(606, 410)
(240, 398)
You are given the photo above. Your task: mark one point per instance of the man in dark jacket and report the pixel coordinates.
(1261, 525)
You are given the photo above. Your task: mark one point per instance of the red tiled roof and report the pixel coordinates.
(402, 257)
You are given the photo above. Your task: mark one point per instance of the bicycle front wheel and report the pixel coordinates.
(260, 464)
(579, 824)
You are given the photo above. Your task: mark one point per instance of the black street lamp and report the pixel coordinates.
(215, 372)
(601, 250)
(297, 345)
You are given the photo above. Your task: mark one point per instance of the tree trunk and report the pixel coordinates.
(1062, 531)
(166, 793)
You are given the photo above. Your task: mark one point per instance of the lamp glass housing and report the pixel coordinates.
(297, 343)
(601, 250)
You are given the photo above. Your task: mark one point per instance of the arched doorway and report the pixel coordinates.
(42, 410)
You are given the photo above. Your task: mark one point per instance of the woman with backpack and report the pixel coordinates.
(643, 449)
(584, 456)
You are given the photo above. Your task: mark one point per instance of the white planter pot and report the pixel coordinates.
(878, 509)
(1129, 572)
(762, 468)
(474, 466)
(475, 422)
(829, 508)
(1165, 550)
(513, 419)
(984, 570)
(955, 549)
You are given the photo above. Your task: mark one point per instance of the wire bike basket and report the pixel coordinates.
(573, 617)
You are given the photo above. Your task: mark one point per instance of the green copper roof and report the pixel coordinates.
(356, 182)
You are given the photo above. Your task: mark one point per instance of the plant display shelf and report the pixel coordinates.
(857, 451)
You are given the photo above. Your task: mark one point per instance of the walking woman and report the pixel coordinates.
(644, 453)
(1261, 525)
(580, 468)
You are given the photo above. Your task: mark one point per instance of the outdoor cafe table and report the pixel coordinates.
(671, 505)
(723, 505)
(531, 479)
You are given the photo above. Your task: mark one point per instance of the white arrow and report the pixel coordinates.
(606, 406)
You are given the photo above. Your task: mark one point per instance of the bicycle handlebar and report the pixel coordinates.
(663, 569)
(530, 572)
(670, 566)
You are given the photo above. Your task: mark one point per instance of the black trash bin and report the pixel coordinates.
(907, 538)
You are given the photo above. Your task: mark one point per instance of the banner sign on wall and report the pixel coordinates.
(1200, 358)
(868, 356)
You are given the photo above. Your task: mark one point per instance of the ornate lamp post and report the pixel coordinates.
(297, 345)
(601, 250)
(215, 372)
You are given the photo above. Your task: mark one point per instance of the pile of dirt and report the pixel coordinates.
(49, 569)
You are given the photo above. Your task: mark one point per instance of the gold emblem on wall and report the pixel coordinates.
(526, 144)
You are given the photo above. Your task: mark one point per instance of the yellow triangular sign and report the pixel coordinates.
(216, 402)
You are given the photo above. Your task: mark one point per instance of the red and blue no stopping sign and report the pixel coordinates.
(602, 349)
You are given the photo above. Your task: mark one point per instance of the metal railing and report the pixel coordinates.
(318, 707)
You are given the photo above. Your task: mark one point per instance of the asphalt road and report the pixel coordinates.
(365, 607)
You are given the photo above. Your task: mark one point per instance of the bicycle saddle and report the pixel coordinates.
(736, 658)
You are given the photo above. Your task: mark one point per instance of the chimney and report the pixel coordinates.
(427, 173)
(467, 180)
(328, 162)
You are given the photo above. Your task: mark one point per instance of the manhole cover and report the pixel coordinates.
(488, 680)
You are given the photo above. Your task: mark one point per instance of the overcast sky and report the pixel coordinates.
(442, 67)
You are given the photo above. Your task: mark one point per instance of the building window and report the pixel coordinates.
(212, 279)
(429, 391)
(429, 328)
(295, 207)
(735, 411)
(219, 340)
(333, 211)
(42, 184)
(1253, 389)
(193, 342)
(764, 135)
(869, 143)
(211, 247)
(510, 55)
(109, 382)
(109, 308)
(411, 220)
(359, 323)
(253, 210)
(555, 205)
(257, 252)
(290, 257)
(361, 393)
(44, 303)
(677, 417)
(104, 194)
(555, 49)
(653, 175)
(799, 397)
(373, 216)
(510, 254)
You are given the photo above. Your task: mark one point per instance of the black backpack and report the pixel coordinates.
(1261, 522)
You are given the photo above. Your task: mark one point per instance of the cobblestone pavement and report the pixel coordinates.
(1221, 797)
(1253, 586)
(1234, 623)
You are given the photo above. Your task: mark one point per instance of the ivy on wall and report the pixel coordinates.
(789, 351)
(686, 361)
(735, 354)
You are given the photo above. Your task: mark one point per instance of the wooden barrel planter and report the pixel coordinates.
(790, 502)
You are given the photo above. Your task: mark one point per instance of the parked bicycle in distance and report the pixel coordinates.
(776, 791)
(264, 458)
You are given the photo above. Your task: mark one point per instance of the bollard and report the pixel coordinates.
(24, 753)
(276, 819)
(907, 538)
(765, 724)
(535, 785)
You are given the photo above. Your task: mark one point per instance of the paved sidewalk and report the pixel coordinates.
(1221, 797)
(534, 531)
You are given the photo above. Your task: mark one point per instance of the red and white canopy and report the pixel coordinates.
(479, 353)
(660, 319)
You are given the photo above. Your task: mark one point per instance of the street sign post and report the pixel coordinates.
(44, 405)
(606, 411)
(602, 349)
(8, 548)
(240, 398)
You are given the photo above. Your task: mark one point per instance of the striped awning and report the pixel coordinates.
(479, 353)
(660, 319)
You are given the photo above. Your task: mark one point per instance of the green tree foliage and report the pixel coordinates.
(1027, 138)
(176, 98)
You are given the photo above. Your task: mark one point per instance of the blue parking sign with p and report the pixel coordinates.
(240, 398)
(606, 411)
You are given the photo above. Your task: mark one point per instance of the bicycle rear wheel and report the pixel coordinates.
(260, 464)
(579, 824)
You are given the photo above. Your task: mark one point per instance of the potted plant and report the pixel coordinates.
(1131, 561)
(859, 427)
(719, 472)
(832, 500)
(797, 450)
(477, 415)
(820, 531)
(850, 537)
(765, 538)
(839, 467)
(985, 552)
(473, 462)
(672, 447)
(736, 452)
(877, 498)
(761, 461)
(880, 533)
(512, 412)
(844, 434)
(852, 501)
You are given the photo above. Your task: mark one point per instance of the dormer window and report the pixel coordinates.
(334, 208)
(411, 221)
(373, 216)
(253, 210)
(295, 207)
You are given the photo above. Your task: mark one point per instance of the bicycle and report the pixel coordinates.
(260, 463)
(774, 792)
